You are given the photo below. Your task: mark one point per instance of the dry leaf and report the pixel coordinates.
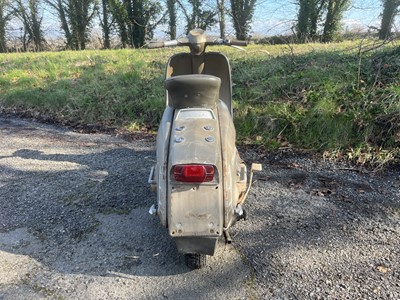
(382, 269)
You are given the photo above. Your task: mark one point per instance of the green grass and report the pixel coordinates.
(322, 97)
(113, 88)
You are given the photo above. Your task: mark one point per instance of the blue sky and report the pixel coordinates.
(271, 17)
(276, 17)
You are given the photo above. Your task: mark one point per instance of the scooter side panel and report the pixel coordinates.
(163, 139)
(195, 209)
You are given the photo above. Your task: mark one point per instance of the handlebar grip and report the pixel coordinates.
(154, 45)
(239, 43)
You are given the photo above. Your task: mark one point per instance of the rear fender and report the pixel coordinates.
(195, 209)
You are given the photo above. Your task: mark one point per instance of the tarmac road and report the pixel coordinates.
(74, 225)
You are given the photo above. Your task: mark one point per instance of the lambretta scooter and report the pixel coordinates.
(200, 180)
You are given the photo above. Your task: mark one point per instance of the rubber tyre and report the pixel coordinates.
(195, 260)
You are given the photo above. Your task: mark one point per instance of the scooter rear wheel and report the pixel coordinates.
(195, 260)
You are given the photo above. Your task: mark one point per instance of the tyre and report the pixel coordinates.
(195, 260)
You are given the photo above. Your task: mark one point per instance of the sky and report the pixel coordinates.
(272, 17)
(276, 17)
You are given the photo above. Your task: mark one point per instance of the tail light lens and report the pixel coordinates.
(194, 173)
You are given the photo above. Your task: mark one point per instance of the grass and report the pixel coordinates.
(331, 98)
(112, 88)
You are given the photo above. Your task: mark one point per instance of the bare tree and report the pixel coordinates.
(242, 14)
(197, 15)
(28, 13)
(75, 17)
(59, 7)
(390, 9)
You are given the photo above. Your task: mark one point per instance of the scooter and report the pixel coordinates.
(201, 181)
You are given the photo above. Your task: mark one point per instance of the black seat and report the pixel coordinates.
(193, 91)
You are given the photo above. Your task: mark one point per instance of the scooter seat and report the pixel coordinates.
(194, 90)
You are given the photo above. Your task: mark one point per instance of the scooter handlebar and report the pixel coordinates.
(173, 43)
(155, 45)
(228, 42)
(238, 43)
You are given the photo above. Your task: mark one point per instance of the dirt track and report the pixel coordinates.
(74, 225)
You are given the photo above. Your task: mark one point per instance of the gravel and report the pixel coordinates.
(321, 230)
(74, 225)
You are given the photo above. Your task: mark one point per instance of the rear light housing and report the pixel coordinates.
(193, 173)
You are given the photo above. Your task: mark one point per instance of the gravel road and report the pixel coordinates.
(74, 225)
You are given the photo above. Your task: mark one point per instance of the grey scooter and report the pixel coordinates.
(200, 180)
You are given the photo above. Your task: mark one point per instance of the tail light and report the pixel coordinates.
(194, 173)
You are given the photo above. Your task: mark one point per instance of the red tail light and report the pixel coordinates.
(194, 173)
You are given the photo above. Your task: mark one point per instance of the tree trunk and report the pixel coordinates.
(139, 24)
(118, 10)
(106, 24)
(3, 45)
(315, 15)
(171, 6)
(303, 21)
(221, 15)
(4, 18)
(242, 14)
(333, 19)
(390, 9)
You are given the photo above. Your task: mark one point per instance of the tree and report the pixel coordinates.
(303, 20)
(75, 18)
(28, 13)
(58, 6)
(242, 14)
(106, 23)
(171, 8)
(197, 16)
(81, 14)
(136, 20)
(142, 20)
(310, 13)
(5, 17)
(119, 13)
(390, 9)
(334, 14)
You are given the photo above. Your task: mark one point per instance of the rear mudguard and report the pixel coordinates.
(195, 209)
(198, 211)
